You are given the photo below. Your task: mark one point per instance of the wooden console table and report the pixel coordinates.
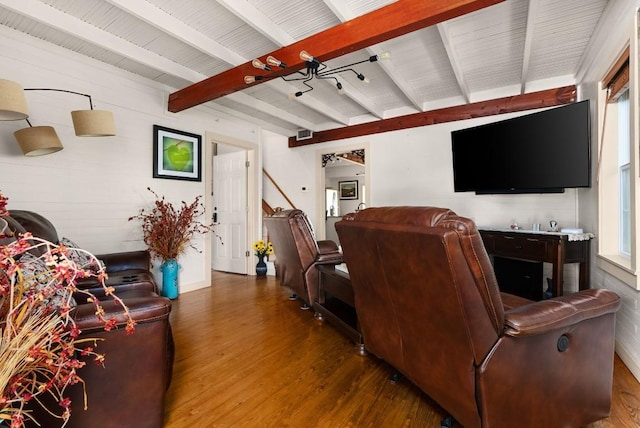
(550, 247)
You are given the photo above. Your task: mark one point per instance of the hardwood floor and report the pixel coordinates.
(248, 357)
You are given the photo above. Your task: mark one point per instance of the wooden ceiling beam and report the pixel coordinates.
(388, 22)
(530, 101)
(351, 157)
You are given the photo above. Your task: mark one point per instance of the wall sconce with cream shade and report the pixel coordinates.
(42, 140)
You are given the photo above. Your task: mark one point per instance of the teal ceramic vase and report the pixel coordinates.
(170, 278)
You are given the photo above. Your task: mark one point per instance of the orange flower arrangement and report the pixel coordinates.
(39, 353)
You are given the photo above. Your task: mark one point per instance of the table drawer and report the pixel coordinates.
(525, 248)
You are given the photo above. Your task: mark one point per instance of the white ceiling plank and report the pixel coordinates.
(61, 21)
(258, 21)
(400, 82)
(265, 107)
(265, 26)
(453, 59)
(356, 97)
(528, 41)
(615, 23)
(340, 9)
(250, 119)
(176, 28)
(345, 13)
(285, 89)
(363, 102)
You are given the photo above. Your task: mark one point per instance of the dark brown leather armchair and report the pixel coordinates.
(130, 390)
(298, 253)
(129, 270)
(429, 305)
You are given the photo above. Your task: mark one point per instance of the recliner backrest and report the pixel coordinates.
(37, 224)
(426, 296)
(295, 247)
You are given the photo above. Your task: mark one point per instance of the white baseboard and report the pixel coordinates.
(192, 287)
(632, 364)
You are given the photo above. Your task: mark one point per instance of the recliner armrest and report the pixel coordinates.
(128, 260)
(559, 312)
(327, 246)
(144, 307)
(328, 253)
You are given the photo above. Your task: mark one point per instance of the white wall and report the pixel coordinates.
(293, 171)
(90, 189)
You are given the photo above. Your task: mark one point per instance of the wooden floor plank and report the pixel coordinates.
(246, 356)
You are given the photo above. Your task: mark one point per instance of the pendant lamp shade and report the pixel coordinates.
(38, 140)
(93, 123)
(13, 105)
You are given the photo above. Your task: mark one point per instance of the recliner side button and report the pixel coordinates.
(563, 343)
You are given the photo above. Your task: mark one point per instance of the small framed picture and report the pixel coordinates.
(176, 154)
(348, 189)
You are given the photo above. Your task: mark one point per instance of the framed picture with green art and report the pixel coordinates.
(176, 154)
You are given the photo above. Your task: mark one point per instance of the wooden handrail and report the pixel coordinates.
(278, 187)
(267, 208)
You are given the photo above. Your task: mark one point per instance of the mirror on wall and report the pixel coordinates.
(344, 186)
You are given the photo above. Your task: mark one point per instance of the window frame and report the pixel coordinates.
(609, 258)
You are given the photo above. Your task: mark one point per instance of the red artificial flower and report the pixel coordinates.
(110, 324)
(41, 302)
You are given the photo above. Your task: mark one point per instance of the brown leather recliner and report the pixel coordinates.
(298, 253)
(128, 270)
(130, 389)
(429, 305)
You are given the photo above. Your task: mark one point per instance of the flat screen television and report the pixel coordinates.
(543, 152)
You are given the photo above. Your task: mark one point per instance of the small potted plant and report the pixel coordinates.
(262, 249)
(168, 232)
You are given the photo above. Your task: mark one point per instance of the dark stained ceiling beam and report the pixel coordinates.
(350, 157)
(388, 22)
(530, 101)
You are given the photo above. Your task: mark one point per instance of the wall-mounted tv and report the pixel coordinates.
(543, 152)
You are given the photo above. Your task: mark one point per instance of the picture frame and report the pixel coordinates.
(177, 155)
(348, 189)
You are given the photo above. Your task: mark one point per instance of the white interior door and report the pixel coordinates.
(230, 212)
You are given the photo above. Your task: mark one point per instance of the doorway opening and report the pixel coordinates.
(343, 177)
(237, 212)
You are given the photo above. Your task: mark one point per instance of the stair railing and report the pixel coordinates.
(265, 206)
